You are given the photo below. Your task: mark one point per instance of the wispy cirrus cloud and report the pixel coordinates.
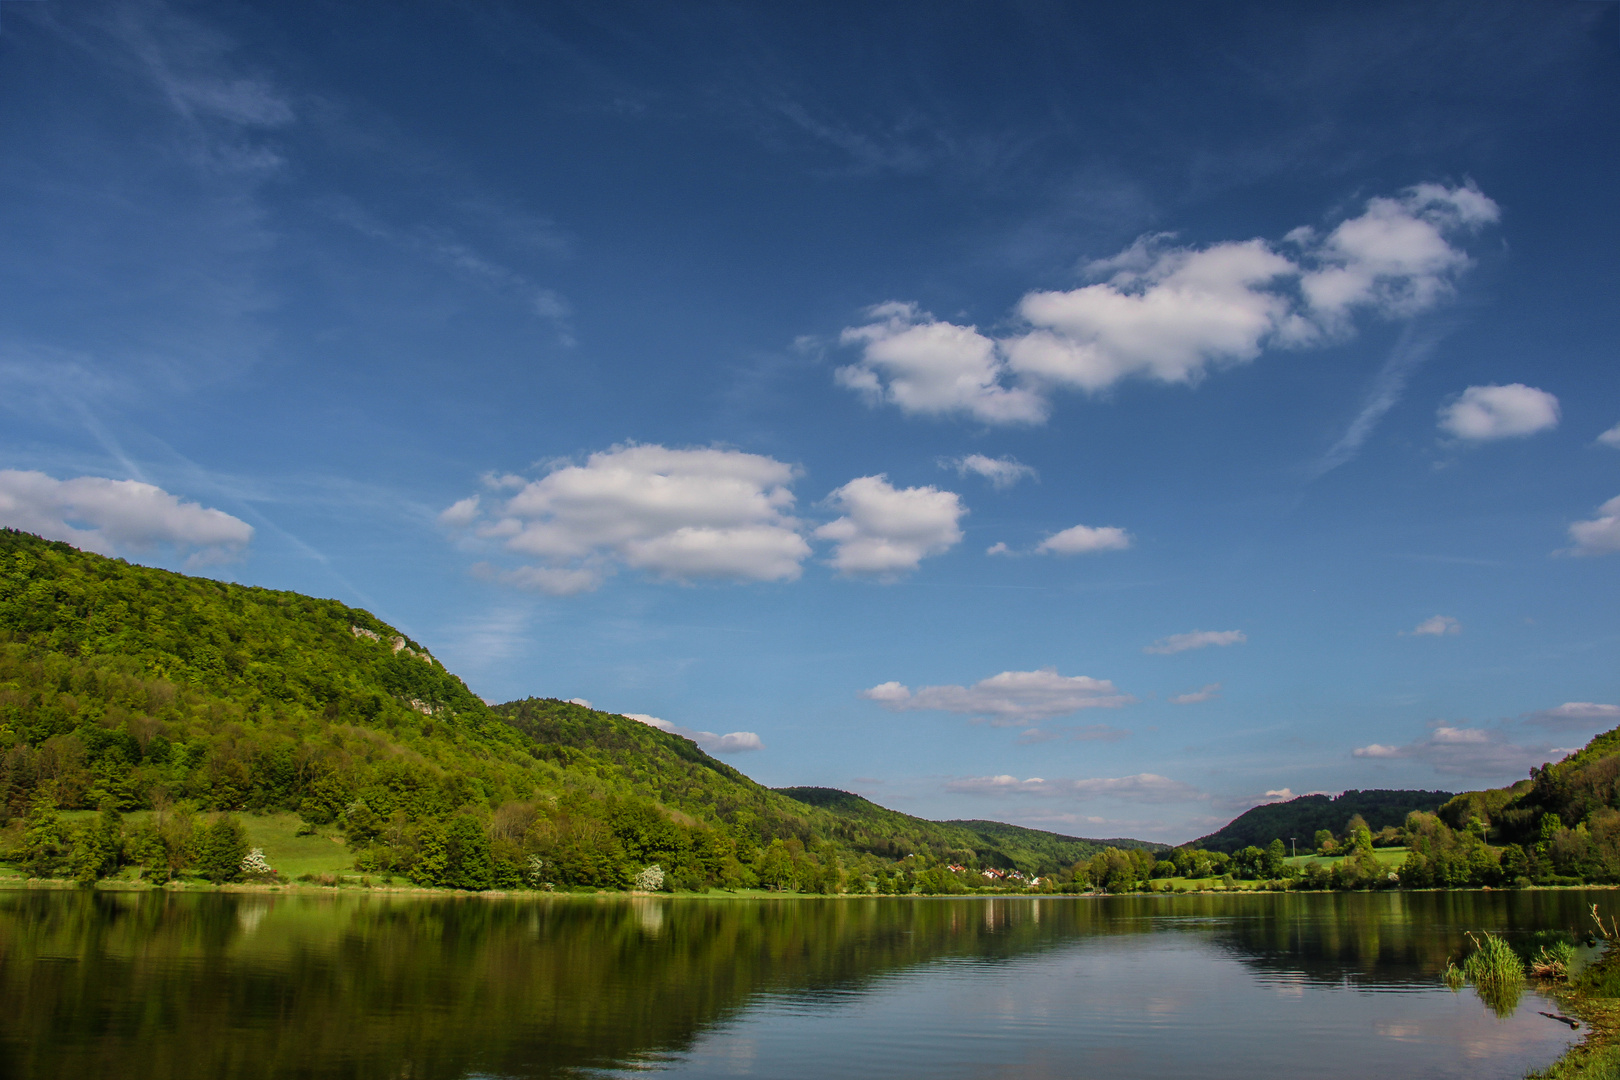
(1010, 698)
(1141, 787)
(1458, 749)
(1002, 472)
(1194, 697)
(1435, 626)
(1196, 639)
(1059, 733)
(1578, 715)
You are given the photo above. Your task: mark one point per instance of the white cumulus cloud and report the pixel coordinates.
(1611, 437)
(1213, 690)
(1484, 413)
(1197, 639)
(1171, 313)
(1085, 540)
(735, 742)
(1012, 697)
(1601, 535)
(923, 365)
(107, 516)
(1165, 314)
(888, 531)
(1435, 626)
(1001, 472)
(676, 514)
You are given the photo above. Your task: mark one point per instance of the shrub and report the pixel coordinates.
(221, 847)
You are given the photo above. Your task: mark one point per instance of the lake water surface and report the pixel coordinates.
(370, 985)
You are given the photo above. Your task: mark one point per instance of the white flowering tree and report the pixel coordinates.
(650, 879)
(537, 874)
(254, 865)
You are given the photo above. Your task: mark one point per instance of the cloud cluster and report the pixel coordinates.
(886, 530)
(106, 516)
(677, 514)
(1435, 626)
(1142, 787)
(1170, 313)
(1010, 698)
(1197, 639)
(1458, 750)
(1601, 535)
(1001, 472)
(1486, 413)
(1611, 437)
(735, 742)
(684, 515)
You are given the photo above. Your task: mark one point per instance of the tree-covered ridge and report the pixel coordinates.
(1300, 819)
(129, 688)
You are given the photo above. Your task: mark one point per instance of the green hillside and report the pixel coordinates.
(870, 827)
(181, 701)
(1300, 819)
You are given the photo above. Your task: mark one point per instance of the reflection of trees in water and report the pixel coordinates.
(1383, 938)
(374, 986)
(254, 985)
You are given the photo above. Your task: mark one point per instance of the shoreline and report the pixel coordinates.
(14, 884)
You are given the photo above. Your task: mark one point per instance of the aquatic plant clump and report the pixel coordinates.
(1493, 961)
(1553, 961)
(1496, 972)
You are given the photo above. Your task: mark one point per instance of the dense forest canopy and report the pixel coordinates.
(1300, 819)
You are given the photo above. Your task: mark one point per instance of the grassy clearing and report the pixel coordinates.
(292, 855)
(1391, 857)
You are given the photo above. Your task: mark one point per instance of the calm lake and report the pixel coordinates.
(368, 985)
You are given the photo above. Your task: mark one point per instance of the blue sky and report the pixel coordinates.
(1091, 418)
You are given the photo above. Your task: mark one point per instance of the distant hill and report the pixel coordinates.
(1300, 818)
(879, 830)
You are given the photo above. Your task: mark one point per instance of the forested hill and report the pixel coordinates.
(1301, 818)
(998, 844)
(124, 687)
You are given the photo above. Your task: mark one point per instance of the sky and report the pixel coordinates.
(1098, 417)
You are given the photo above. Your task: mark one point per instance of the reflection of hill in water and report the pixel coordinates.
(372, 986)
(1386, 939)
(212, 985)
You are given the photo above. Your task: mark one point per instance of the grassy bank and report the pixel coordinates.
(1592, 996)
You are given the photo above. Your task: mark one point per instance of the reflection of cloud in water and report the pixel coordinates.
(726, 1055)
